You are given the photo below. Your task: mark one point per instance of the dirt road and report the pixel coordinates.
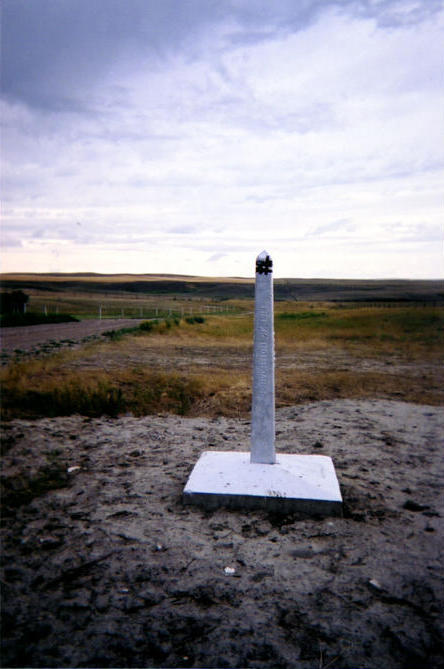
(29, 338)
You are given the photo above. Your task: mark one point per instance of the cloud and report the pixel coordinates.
(215, 127)
(54, 52)
(399, 13)
(217, 256)
(416, 232)
(342, 226)
(183, 230)
(10, 242)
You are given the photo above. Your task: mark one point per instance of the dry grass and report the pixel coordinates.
(118, 278)
(300, 387)
(205, 369)
(88, 392)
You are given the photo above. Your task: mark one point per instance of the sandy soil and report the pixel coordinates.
(109, 569)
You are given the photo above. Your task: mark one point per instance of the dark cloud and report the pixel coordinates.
(51, 48)
(54, 51)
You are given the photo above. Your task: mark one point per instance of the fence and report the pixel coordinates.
(89, 309)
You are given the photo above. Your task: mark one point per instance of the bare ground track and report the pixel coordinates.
(28, 337)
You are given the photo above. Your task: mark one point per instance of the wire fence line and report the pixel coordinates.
(105, 310)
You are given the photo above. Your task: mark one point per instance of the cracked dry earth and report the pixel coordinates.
(103, 566)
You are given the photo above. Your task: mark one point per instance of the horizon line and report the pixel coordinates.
(190, 277)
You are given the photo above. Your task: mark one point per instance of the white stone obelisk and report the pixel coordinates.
(242, 480)
(263, 418)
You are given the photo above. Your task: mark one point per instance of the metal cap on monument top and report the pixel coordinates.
(263, 418)
(264, 264)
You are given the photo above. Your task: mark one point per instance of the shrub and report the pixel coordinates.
(116, 335)
(195, 319)
(16, 320)
(13, 303)
(147, 326)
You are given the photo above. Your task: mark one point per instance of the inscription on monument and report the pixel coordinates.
(263, 431)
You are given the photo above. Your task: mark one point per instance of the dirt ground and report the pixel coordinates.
(38, 337)
(103, 565)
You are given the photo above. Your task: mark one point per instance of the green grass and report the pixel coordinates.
(30, 318)
(300, 315)
(368, 326)
(118, 305)
(147, 327)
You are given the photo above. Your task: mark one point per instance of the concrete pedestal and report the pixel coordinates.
(302, 483)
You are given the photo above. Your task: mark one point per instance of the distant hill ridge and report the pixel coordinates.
(387, 290)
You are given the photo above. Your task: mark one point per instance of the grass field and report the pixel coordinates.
(121, 305)
(323, 351)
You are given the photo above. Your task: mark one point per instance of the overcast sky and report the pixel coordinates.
(186, 136)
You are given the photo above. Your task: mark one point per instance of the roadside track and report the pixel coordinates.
(28, 337)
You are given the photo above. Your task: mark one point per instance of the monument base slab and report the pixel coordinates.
(295, 483)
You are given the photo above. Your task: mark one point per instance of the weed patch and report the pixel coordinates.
(294, 387)
(95, 394)
(147, 326)
(116, 335)
(194, 319)
(144, 328)
(301, 315)
(148, 393)
(81, 396)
